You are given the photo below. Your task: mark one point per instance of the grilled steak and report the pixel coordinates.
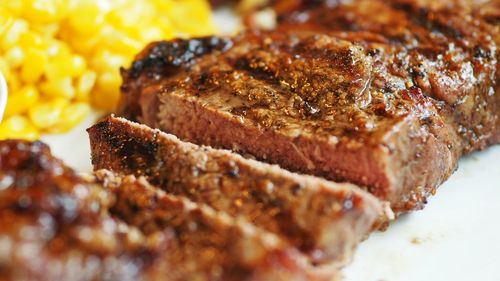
(446, 48)
(56, 225)
(322, 219)
(384, 94)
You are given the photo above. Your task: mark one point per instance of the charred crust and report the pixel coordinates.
(166, 56)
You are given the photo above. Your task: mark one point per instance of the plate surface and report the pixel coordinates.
(3, 95)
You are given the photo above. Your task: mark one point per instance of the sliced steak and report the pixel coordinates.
(56, 225)
(205, 244)
(322, 219)
(388, 100)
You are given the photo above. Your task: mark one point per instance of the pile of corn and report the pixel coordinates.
(60, 56)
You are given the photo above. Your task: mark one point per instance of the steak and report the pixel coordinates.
(324, 220)
(57, 225)
(388, 100)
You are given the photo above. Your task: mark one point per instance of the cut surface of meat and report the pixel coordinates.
(387, 100)
(57, 225)
(324, 220)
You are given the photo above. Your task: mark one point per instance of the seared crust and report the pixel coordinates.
(59, 226)
(446, 48)
(322, 219)
(387, 100)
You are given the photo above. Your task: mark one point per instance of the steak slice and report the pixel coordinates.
(322, 219)
(387, 100)
(209, 245)
(59, 226)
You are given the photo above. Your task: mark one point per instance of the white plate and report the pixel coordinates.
(3, 96)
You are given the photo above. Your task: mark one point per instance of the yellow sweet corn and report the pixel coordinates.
(15, 57)
(44, 10)
(18, 127)
(105, 60)
(71, 116)
(60, 87)
(57, 48)
(36, 62)
(84, 85)
(22, 100)
(30, 39)
(65, 66)
(5, 69)
(86, 16)
(77, 65)
(107, 96)
(13, 32)
(15, 7)
(46, 114)
(47, 30)
(59, 56)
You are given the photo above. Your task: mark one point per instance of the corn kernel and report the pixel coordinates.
(77, 65)
(61, 66)
(47, 30)
(11, 36)
(32, 71)
(44, 10)
(14, 6)
(156, 33)
(71, 116)
(118, 42)
(84, 85)
(178, 13)
(13, 82)
(57, 48)
(107, 93)
(4, 68)
(105, 61)
(11, 77)
(60, 87)
(86, 16)
(127, 16)
(17, 127)
(84, 44)
(30, 39)
(15, 57)
(19, 102)
(165, 6)
(46, 114)
(6, 20)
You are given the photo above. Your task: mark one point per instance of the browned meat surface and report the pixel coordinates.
(446, 48)
(56, 225)
(384, 94)
(324, 220)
